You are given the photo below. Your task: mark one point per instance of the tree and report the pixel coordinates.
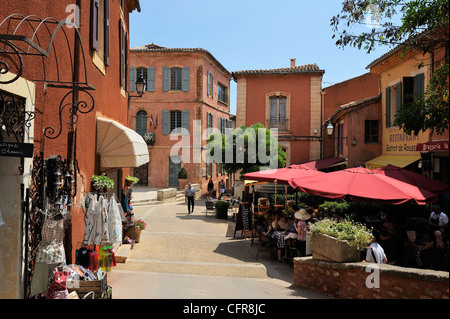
(246, 149)
(423, 25)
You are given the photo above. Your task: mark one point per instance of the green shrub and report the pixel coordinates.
(102, 181)
(221, 204)
(182, 174)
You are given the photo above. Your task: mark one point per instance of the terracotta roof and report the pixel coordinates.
(156, 48)
(306, 68)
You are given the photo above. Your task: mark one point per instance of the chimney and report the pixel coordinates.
(292, 62)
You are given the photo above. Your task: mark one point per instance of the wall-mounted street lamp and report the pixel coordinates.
(140, 86)
(330, 129)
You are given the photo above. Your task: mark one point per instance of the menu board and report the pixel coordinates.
(244, 219)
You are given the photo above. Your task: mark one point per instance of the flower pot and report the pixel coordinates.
(221, 213)
(133, 233)
(328, 248)
(182, 183)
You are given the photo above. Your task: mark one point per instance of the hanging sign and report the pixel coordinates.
(16, 149)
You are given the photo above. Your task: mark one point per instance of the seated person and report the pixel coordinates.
(434, 255)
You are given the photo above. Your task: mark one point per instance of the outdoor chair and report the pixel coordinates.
(209, 208)
(291, 250)
(265, 244)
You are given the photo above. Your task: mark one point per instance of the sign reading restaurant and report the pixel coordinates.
(401, 142)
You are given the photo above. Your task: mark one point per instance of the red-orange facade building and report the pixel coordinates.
(288, 99)
(187, 88)
(74, 75)
(352, 110)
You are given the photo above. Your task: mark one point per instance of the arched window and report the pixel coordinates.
(141, 122)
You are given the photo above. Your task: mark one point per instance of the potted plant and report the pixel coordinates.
(102, 182)
(131, 180)
(149, 138)
(339, 240)
(182, 178)
(134, 231)
(221, 209)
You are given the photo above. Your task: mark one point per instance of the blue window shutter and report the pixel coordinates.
(185, 119)
(165, 122)
(208, 85)
(220, 124)
(132, 78)
(212, 86)
(166, 78)
(185, 83)
(208, 125)
(151, 79)
(388, 107)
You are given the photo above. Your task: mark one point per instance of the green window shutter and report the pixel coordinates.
(399, 98)
(132, 78)
(166, 78)
(230, 124)
(420, 85)
(165, 122)
(185, 120)
(185, 83)
(151, 79)
(388, 107)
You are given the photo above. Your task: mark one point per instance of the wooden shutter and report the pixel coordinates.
(132, 78)
(388, 106)
(166, 78)
(398, 100)
(273, 110)
(220, 124)
(165, 122)
(122, 53)
(207, 123)
(106, 43)
(420, 85)
(151, 79)
(185, 119)
(208, 86)
(185, 83)
(282, 110)
(212, 85)
(95, 13)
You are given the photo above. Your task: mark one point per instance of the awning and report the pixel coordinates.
(323, 163)
(396, 160)
(119, 146)
(432, 146)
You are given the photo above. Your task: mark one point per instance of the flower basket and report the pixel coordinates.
(134, 233)
(328, 248)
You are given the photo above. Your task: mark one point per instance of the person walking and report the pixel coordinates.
(189, 197)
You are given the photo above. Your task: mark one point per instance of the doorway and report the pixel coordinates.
(174, 168)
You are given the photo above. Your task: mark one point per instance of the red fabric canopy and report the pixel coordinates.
(412, 178)
(281, 175)
(362, 185)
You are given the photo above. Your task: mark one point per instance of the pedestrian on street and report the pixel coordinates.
(189, 197)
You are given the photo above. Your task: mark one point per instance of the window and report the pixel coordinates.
(141, 122)
(340, 138)
(277, 117)
(222, 93)
(209, 123)
(100, 29)
(176, 79)
(175, 120)
(148, 74)
(407, 91)
(141, 72)
(371, 131)
(210, 84)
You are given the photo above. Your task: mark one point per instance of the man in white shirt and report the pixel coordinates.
(189, 197)
(375, 253)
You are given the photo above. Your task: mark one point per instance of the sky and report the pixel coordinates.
(253, 34)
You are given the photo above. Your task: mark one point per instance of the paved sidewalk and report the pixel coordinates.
(183, 256)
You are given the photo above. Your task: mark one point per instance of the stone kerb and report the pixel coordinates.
(166, 193)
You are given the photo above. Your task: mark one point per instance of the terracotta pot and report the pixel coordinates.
(328, 248)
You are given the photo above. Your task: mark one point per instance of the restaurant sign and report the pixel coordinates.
(16, 149)
(433, 146)
(401, 142)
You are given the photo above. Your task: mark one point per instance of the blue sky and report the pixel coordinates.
(252, 34)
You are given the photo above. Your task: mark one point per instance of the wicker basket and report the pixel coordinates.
(133, 233)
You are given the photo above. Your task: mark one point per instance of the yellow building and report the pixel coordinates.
(400, 80)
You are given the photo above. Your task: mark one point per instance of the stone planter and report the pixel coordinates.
(327, 248)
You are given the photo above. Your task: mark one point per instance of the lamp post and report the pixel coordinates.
(140, 85)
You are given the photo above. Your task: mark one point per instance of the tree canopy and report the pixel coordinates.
(422, 25)
(246, 149)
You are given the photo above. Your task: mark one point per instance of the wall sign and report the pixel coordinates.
(16, 149)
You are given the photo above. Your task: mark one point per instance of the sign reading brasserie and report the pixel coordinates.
(16, 149)
(401, 142)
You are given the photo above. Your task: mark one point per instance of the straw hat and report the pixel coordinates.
(302, 214)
